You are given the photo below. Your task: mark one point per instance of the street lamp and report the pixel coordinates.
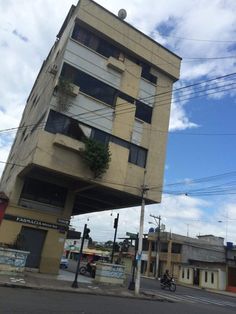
(158, 225)
(226, 228)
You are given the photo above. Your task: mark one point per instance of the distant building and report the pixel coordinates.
(105, 81)
(231, 266)
(196, 261)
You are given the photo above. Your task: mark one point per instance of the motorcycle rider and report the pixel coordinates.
(166, 276)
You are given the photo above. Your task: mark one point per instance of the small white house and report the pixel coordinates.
(207, 278)
(213, 279)
(186, 275)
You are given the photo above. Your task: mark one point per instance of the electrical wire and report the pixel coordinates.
(159, 103)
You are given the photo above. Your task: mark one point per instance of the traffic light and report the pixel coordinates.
(86, 233)
(115, 223)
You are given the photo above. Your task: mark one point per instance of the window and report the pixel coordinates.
(176, 248)
(143, 112)
(188, 273)
(100, 136)
(104, 92)
(164, 247)
(205, 276)
(146, 73)
(182, 272)
(90, 85)
(59, 123)
(137, 155)
(107, 49)
(94, 42)
(44, 192)
(119, 141)
(212, 278)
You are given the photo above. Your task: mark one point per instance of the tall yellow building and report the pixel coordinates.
(105, 81)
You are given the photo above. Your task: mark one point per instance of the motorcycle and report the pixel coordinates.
(169, 283)
(89, 268)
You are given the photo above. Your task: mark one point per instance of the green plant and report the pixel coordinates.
(97, 156)
(64, 89)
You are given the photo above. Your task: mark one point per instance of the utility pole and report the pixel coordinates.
(157, 243)
(140, 242)
(116, 220)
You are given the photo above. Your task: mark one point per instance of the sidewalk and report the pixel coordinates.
(86, 285)
(63, 282)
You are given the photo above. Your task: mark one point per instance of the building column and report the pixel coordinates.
(169, 255)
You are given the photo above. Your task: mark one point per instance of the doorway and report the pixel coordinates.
(33, 240)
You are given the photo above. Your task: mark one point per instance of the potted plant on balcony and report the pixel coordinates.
(65, 90)
(97, 156)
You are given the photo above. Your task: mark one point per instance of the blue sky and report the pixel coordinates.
(190, 28)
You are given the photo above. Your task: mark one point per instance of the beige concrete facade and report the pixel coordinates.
(54, 158)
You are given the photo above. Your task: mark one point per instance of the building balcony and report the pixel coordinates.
(175, 258)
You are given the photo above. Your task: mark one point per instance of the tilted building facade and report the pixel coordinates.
(103, 80)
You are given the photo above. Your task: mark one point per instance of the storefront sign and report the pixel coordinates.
(35, 222)
(63, 221)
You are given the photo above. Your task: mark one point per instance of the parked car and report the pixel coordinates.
(64, 263)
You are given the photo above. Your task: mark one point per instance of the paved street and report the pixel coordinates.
(189, 295)
(16, 300)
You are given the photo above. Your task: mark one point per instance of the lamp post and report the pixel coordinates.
(226, 228)
(157, 242)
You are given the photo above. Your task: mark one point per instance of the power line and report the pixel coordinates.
(197, 192)
(158, 103)
(198, 39)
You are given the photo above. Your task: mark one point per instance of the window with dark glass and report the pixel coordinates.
(89, 84)
(44, 192)
(143, 112)
(137, 155)
(94, 42)
(206, 276)
(107, 49)
(146, 73)
(104, 92)
(100, 136)
(176, 248)
(59, 123)
(164, 247)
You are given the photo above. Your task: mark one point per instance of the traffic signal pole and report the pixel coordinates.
(116, 220)
(85, 235)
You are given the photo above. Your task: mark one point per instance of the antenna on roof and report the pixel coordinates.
(122, 14)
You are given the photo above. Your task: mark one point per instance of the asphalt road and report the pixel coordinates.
(187, 294)
(17, 300)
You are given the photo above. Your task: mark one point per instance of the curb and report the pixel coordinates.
(143, 295)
